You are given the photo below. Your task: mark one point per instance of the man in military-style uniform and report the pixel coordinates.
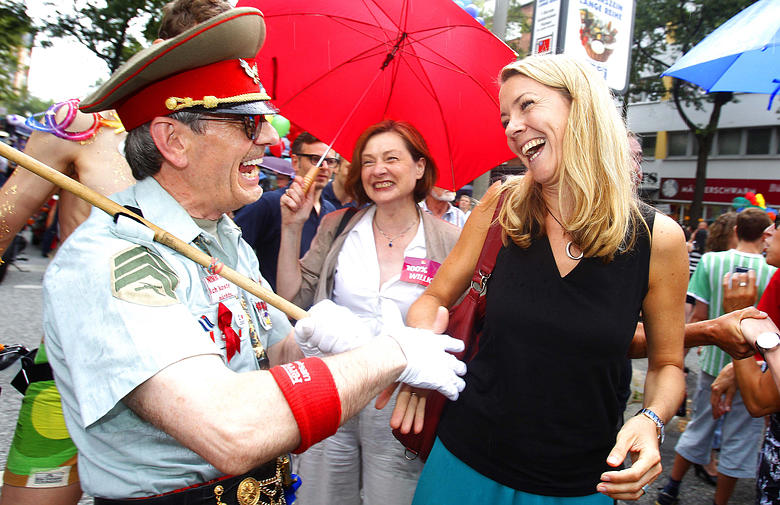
(159, 360)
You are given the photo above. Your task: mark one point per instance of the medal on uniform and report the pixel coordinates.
(257, 346)
(265, 316)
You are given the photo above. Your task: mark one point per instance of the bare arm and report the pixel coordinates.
(723, 331)
(751, 328)
(663, 309)
(238, 421)
(450, 282)
(24, 193)
(296, 208)
(453, 277)
(760, 394)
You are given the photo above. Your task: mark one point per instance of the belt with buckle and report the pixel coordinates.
(262, 486)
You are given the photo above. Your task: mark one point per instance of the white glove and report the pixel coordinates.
(330, 329)
(428, 364)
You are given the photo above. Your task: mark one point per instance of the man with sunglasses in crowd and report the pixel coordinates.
(161, 362)
(261, 221)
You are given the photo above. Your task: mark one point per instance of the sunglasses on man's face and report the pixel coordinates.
(252, 123)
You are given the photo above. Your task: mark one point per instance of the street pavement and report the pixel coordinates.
(20, 323)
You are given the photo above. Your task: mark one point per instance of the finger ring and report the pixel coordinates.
(644, 488)
(412, 394)
(742, 284)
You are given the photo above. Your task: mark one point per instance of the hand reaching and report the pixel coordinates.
(330, 329)
(295, 204)
(722, 391)
(428, 362)
(739, 290)
(409, 410)
(638, 437)
(727, 332)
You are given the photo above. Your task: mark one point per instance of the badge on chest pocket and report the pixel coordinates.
(219, 289)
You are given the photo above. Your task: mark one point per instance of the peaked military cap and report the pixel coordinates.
(209, 67)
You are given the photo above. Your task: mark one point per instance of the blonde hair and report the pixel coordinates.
(595, 170)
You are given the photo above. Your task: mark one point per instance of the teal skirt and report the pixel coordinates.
(447, 480)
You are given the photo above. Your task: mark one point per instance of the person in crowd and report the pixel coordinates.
(282, 169)
(159, 359)
(385, 254)
(438, 202)
(261, 221)
(96, 161)
(722, 234)
(578, 245)
(39, 468)
(740, 433)
(696, 248)
(464, 204)
(759, 391)
(336, 190)
(635, 146)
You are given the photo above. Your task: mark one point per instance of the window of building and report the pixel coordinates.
(728, 141)
(758, 140)
(678, 144)
(648, 144)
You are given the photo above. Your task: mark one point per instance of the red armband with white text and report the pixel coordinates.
(311, 393)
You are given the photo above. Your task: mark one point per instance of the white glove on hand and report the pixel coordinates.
(428, 364)
(330, 329)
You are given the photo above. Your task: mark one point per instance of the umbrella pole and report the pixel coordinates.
(112, 208)
(313, 171)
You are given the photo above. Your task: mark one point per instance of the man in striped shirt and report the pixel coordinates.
(741, 433)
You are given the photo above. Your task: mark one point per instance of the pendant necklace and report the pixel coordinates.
(569, 243)
(388, 237)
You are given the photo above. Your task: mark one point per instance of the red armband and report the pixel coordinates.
(311, 393)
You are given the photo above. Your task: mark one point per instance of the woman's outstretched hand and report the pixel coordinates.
(639, 438)
(409, 411)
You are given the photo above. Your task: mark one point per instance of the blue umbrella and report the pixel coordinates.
(741, 55)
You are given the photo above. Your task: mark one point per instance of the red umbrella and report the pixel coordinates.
(335, 67)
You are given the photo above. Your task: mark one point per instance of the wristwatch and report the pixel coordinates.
(659, 425)
(767, 341)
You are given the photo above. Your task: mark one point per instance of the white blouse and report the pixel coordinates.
(356, 279)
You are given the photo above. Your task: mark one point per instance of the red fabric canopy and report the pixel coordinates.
(334, 67)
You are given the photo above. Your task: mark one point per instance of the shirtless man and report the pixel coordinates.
(97, 163)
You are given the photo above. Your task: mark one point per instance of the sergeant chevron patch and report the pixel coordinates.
(138, 276)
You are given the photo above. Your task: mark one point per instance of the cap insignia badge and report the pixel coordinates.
(250, 71)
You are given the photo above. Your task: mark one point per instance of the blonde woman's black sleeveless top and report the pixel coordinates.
(540, 406)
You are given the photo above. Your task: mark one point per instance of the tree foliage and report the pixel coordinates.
(24, 104)
(14, 25)
(105, 27)
(664, 30)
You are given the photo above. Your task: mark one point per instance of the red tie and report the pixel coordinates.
(232, 340)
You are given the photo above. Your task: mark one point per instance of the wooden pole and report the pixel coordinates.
(160, 235)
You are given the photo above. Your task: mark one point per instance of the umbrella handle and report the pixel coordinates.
(163, 237)
(309, 178)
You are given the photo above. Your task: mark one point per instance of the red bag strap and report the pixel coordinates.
(487, 258)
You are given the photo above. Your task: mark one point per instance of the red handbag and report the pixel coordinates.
(465, 324)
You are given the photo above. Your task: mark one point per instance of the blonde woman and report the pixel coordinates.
(581, 258)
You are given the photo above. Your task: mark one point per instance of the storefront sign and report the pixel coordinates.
(719, 190)
(597, 31)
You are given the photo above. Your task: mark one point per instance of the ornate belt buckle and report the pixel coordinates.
(248, 492)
